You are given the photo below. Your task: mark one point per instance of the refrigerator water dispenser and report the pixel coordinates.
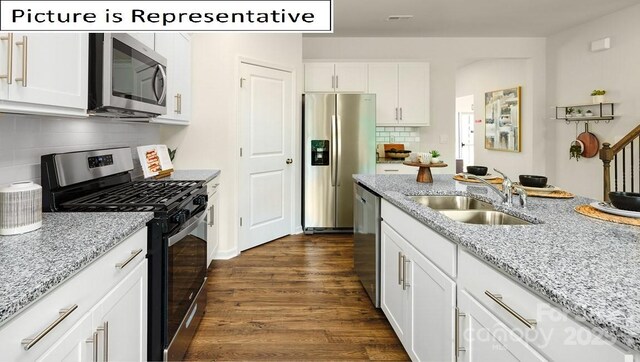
(319, 153)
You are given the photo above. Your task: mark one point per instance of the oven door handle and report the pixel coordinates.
(190, 226)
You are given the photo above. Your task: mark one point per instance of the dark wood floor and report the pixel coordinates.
(294, 299)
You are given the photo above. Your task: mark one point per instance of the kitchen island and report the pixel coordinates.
(586, 267)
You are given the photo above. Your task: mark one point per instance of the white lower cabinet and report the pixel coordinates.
(418, 299)
(425, 278)
(115, 330)
(213, 218)
(395, 168)
(101, 311)
(482, 337)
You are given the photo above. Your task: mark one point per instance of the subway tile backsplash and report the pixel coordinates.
(24, 138)
(406, 135)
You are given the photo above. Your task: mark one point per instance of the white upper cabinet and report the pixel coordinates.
(335, 77)
(44, 73)
(147, 39)
(176, 48)
(402, 93)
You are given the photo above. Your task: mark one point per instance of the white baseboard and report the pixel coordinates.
(297, 230)
(226, 254)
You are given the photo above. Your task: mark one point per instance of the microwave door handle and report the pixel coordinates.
(164, 84)
(153, 84)
(192, 225)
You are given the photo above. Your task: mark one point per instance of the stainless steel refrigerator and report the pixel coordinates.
(339, 141)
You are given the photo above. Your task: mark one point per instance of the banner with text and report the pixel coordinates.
(304, 16)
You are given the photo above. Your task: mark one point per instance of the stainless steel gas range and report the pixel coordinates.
(100, 181)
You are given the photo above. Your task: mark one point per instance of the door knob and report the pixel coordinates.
(289, 161)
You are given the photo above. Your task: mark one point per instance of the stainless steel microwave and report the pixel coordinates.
(127, 79)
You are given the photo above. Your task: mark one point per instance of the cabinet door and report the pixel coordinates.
(55, 66)
(394, 300)
(383, 82)
(75, 345)
(147, 39)
(176, 47)
(485, 338)
(318, 77)
(4, 65)
(413, 93)
(432, 310)
(182, 75)
(123, 316)
(351, 77)
(213, 230)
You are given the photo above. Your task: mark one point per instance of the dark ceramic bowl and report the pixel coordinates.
(477, 170)
(625, 200)
(533, 181)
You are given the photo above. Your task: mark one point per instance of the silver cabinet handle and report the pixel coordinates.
(105, 340)
(333, 82)
(175, 104)
(457, 347)
(396, 113)
(401, 113)
(25, 50)
(212, 215)
(179, 103)
(391, 170)
(9, 75)
(400, 264)
(27, 343)
(498, 299)
(134, 253)
(337, 79)
(405, 284)
(94, 340)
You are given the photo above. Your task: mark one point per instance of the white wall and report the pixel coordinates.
(489, 75)
(446, 56)
(211, 139)
(23, 139)
(573, 72)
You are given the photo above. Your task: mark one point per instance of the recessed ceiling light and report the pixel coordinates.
(399, 17)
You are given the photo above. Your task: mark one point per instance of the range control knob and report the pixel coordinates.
(200, 200)
(179, 217)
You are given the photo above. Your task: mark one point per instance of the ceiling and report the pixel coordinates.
(466, 18)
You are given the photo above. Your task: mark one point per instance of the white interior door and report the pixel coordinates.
(266, 114)
(465, 137)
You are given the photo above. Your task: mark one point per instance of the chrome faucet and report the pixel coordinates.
(505, 193)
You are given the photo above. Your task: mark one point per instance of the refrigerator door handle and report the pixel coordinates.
(334, 150)
(338, 146)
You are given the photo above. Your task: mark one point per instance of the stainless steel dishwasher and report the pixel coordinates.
(366, 240)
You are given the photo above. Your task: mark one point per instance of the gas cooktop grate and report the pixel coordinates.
(136, 195)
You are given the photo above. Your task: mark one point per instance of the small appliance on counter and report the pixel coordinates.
(20, 208)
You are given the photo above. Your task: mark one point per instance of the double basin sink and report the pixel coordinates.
(468, 210)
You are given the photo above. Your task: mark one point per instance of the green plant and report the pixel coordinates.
(579, 112)
(435, 153)
(575, 151)
(598, 92)
(570, 110)
(172, 153)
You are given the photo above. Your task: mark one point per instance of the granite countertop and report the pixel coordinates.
(388, 160)
(195, 175)
(590, 268)
(34, 263)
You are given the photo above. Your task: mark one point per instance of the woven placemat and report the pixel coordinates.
(493, 181)
(591, 211)
(558, 194)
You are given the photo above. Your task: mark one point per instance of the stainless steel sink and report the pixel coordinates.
(438, 202)
(483, 217)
